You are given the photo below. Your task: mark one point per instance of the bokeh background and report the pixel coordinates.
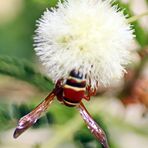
(122, 109)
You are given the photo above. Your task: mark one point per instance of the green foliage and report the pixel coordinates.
(140, 33)
(49, 3)
(23, 70)
(62, 113)
(5, 117)
(16, 37)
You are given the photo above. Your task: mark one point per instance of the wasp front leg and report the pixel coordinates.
(89, 92)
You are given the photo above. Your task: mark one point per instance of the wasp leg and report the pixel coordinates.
(94, 128)
(59, 86)
(90, 92)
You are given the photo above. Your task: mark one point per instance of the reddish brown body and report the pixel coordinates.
(73, 90)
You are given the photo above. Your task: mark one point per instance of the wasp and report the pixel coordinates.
(70, 93)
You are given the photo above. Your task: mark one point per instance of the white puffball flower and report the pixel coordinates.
(89, 36)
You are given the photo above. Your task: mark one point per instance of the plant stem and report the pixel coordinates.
(135, 18)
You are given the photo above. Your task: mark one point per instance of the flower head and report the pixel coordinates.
(90, 36)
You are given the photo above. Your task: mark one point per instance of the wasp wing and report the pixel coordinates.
(31, 118)
(94, 128)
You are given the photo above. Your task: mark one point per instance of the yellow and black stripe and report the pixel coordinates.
(74, 89)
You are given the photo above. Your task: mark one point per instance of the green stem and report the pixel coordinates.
(135, 18)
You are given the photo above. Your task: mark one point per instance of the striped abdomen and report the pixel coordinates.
(74, 89)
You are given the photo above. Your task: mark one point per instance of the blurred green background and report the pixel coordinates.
(23, 84)
(17, 26)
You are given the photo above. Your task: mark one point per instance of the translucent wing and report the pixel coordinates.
(31, 118)
(95, 129)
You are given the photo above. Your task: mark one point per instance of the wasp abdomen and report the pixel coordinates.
(74, 89)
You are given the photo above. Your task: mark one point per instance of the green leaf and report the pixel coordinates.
(23, 70)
